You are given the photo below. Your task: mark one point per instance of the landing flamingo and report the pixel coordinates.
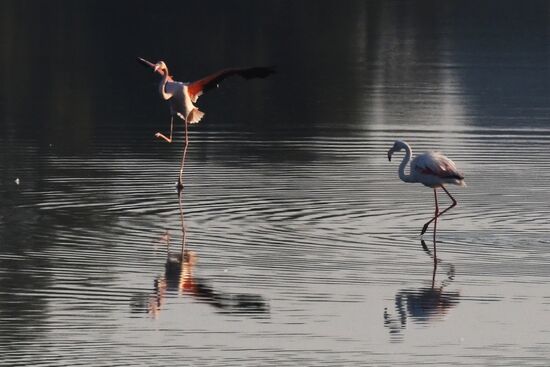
(183, 95)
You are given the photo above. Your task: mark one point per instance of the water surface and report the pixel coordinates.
(303, 245)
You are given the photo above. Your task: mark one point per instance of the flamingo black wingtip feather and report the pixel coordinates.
(258, 72)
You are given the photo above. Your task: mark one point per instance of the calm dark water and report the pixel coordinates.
(303, 245)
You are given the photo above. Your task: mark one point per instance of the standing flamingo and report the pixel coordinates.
(182, 96)
(431, 169)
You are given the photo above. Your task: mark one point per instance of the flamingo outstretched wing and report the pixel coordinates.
(197, 88)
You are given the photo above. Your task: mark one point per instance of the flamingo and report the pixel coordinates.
(431, 169)
(182, 96)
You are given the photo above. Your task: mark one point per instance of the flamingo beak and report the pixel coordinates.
(157, 67)
(390, 152)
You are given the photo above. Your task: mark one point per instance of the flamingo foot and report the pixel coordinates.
(162, 136)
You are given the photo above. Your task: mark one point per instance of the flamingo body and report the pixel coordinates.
(179, 97)
(433, 169)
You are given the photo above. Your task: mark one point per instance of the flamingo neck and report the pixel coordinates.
(402, 175)
(162, 86)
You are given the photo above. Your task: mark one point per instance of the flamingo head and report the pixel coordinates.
(160, 66)
(397, 146)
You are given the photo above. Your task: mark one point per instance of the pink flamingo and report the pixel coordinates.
(431, 169)
(182, 96)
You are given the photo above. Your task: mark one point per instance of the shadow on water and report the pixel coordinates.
(179, 279)
(422, 305)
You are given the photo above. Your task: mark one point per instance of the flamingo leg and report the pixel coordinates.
(183, 228)
(162, 136)
(425, 228)
(435, 270)
(435, 230)
(433, 256)
(180, 179)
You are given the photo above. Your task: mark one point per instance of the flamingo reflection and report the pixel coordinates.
(179, 279)
(422, 305)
